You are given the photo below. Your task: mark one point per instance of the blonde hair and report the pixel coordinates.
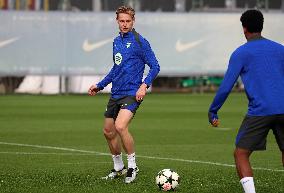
(125, 9)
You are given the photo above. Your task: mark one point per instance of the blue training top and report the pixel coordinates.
(260, 63)
(130, 57)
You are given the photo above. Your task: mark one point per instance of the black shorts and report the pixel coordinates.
(254, 130)
(114, 105)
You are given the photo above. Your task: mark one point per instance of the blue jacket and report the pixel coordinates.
(260, 63)
(130, 57)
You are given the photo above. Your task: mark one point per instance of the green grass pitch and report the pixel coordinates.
(56, 144)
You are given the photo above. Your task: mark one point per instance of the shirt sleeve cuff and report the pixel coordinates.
(100, 87)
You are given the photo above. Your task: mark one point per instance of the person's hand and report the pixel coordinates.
(93, 90)
(213, 119)
(141, 92)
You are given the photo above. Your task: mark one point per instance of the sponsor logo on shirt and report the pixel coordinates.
(117, 58)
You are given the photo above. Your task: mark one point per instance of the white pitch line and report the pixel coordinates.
(78, 163)
(41, 153)
(141, 156)
(52, 147)
(222, 129)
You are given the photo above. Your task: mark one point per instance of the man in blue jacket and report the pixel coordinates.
(130, 54)
(260, 63)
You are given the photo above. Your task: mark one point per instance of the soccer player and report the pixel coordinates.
(130, 54)
(260, 64)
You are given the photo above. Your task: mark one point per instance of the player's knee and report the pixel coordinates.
(109, 133)
(120, 128)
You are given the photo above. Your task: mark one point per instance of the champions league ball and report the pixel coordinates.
(167, 180)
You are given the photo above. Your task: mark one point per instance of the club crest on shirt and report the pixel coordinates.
(118, 58)
(128, 44)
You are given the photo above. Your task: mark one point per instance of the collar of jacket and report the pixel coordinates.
(126, 35)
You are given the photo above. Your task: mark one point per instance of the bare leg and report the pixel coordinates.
(121, 125)
(242, 162)
(112, 136)
(283, 157)
(244, 169)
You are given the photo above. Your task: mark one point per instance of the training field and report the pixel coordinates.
(55, 144)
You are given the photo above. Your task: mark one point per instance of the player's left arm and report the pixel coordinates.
(234, 69)
(141, 92)
(150, 59)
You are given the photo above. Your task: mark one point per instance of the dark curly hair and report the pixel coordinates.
(252, 20)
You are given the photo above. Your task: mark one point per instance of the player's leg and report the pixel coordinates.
(283, 158)
(278, 131)
(110, 132)
(242, 162)
(129, 105)
(121, 124)
(113, 139)
(114, 144)
(112, 136)
(244, 169)
(251, 136)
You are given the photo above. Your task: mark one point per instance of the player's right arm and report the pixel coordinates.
(234, 69)
(95, 88)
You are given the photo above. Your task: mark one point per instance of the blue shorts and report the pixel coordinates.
(114, 106)
(254, 130)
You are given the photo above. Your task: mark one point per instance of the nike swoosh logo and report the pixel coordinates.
(181, 47)
(245, 181)
(88, 47)
(7, 42)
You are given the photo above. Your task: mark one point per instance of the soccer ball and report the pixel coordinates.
(167, 180)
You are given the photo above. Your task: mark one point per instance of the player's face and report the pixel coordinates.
(125, 22)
